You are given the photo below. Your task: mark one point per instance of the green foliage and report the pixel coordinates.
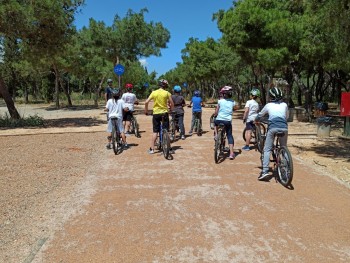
(30, 121)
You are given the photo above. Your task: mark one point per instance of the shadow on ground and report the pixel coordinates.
(73, 122)
(73, 108)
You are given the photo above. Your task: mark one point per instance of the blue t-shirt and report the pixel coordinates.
(226, 109)
(197, 104)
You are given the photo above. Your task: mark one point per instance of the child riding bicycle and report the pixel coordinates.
(196, 110)
(115, 108)
(223, 113)
(129, 99)
(278, 115)
(161, 99)
(179, 103)
(250, 112)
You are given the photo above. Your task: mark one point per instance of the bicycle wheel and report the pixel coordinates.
(284, 166)
(217, 149)
(199, 128)
(136, 128)
(165, 144)
(172, 130)
(115, 137)
(260, 139)
(252, 136)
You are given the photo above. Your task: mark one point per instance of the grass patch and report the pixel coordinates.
(30, 121)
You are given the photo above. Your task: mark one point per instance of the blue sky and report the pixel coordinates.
(184, 19)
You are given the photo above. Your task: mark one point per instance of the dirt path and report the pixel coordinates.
(136, 207)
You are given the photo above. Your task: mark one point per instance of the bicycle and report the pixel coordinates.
(257, 136)
(134, 127)
(117, 141)
(163, 140)
(173, 126)
(197, 126)
(282, 159)
(220, 141)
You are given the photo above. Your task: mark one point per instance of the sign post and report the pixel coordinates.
(119, 70)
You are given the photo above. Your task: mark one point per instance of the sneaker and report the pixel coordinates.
(190, 133)
(171, 151)
(183, 137)
(246, 148)
(263, 176)
(150, 151)
(126, 145)
(127, 134)
(232, 156)
(109, 146)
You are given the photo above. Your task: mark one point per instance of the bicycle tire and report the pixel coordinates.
(165, 144)
(284, 166)
(252, 137)
(115, 138)
(260, 139)
(136, 128)
(172, 130)
(217, 148)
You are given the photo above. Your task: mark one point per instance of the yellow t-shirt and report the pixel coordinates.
(160, 98)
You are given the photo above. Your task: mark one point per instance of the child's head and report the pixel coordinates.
(226, 92)
(255, 93)
(177, 89)
(197, 93)
(116, 94)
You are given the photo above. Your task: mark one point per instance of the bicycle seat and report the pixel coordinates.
(114, 118)
(221, 125)
(280, 134)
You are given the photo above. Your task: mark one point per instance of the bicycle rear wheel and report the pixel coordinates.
(252, 137)
(115, 138)
(217, 149)
(165, 144)
(172, 130)
(136, 128)
(284, 166)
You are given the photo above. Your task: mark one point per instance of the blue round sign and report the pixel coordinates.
(119, 69)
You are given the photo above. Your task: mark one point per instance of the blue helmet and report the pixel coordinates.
(197, 93)
(177, 88)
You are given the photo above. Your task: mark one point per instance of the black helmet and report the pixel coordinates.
(275, 94)
(116, 93)
(163, 83)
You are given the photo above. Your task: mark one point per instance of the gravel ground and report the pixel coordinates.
(48, 174)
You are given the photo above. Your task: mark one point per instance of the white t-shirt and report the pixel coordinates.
(129, 99)
(253, 109)
(115, 109)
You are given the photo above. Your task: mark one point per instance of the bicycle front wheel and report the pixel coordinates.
(165, 144)
(284, 166)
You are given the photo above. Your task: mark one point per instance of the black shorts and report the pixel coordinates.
(127, 116)
(157, 118)
(249, 125)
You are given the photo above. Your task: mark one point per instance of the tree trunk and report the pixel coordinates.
(57, 88)
(97, 92)
(8, 100)
(65, 90)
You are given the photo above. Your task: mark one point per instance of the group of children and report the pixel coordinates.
(122, 108)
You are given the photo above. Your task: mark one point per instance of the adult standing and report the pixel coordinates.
(161, 98)
(109, 90)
